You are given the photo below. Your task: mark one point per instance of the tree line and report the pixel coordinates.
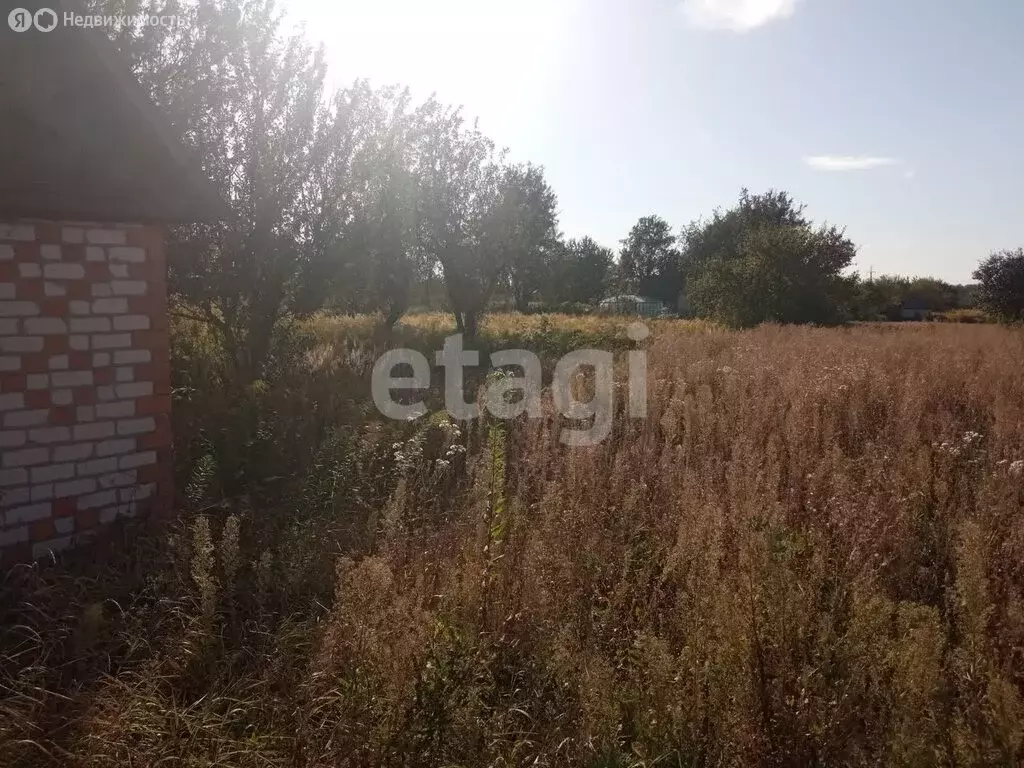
(351, 198)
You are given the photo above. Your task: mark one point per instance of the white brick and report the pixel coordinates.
(128, 287)
(101, 499)
(72, 235)
(135, 389)
(100, 430)
(17, 344)
(101, 290)
(131, 254)
(106, 392)
(111, 340)
(75, 487)
(95, 253)
(12, 438)
(49, 435)
(42, 492)
(27, 514)
(119, 479)
(86, 413)
(9, 326)
(136, 426)
(26, 457)
(90, 324)
(26, 418)
(6, 252)
(138, 492)
(71, 378)
(132, 356)
(101, 360)
(12, 401)
(45, 325)
(110, 306)
(78, 343)
(8, 363)
(6, 291)
(64, 271)
(22, 232)
(51, 472)
(131, 323)
(61, 397)
(119, 270)
(52, 546)
(30, 269)
(77, 452)
(116, 410)
(50, 252)
(143, 459)
(54, 289)
(58, 363)
(80, 307)
(16, 476)
(114, 447)
(37, 381)
(105, 237)
(24, 308)
(64, 524)
(125, 374)
(14, 497)
(10, 536)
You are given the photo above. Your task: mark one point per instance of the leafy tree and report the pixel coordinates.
(764, 261)
(649, 261)
(1001, 284)
(581, 271)
(530, 221)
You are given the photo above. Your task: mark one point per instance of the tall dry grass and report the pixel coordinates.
(810, 553)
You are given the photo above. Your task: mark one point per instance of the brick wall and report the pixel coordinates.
(84, 382)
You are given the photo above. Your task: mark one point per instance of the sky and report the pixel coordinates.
(901, 120)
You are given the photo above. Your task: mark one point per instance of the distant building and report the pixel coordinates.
(915, 309)
(628, 304)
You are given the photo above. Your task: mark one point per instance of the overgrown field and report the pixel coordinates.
(811, 552)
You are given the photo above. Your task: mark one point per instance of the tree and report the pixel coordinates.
(649, 261)
(764, 261)
(581, 271)
(1001, 284)
(528, 207)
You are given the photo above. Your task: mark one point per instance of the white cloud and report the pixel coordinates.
(848, 162)
(735, 15)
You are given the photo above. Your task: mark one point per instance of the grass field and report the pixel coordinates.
(811, 552)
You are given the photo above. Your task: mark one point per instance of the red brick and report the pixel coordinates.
(86, 518)
(55, 344)
(37, 362)
(41, 530)
(55, 306)
(97, 271)
(30, 289)
(15, 554)
(66, 507)
(103, 376)
(78, 289)
(62, 416)
(84, 395)
(49, 233)
(12, 382)
(72, 252)
(37, 398)
(79, 361)
(154, 404)
(155, 340)
(26, 252)
(9, 272)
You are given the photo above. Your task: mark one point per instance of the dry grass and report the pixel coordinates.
(810, 553)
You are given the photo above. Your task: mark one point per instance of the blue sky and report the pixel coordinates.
(902, 120)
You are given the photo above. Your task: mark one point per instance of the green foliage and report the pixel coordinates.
(763, 261)
(581, 271)
(1001, 284)
(649, 261)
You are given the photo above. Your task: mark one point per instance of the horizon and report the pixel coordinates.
(895, 123)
